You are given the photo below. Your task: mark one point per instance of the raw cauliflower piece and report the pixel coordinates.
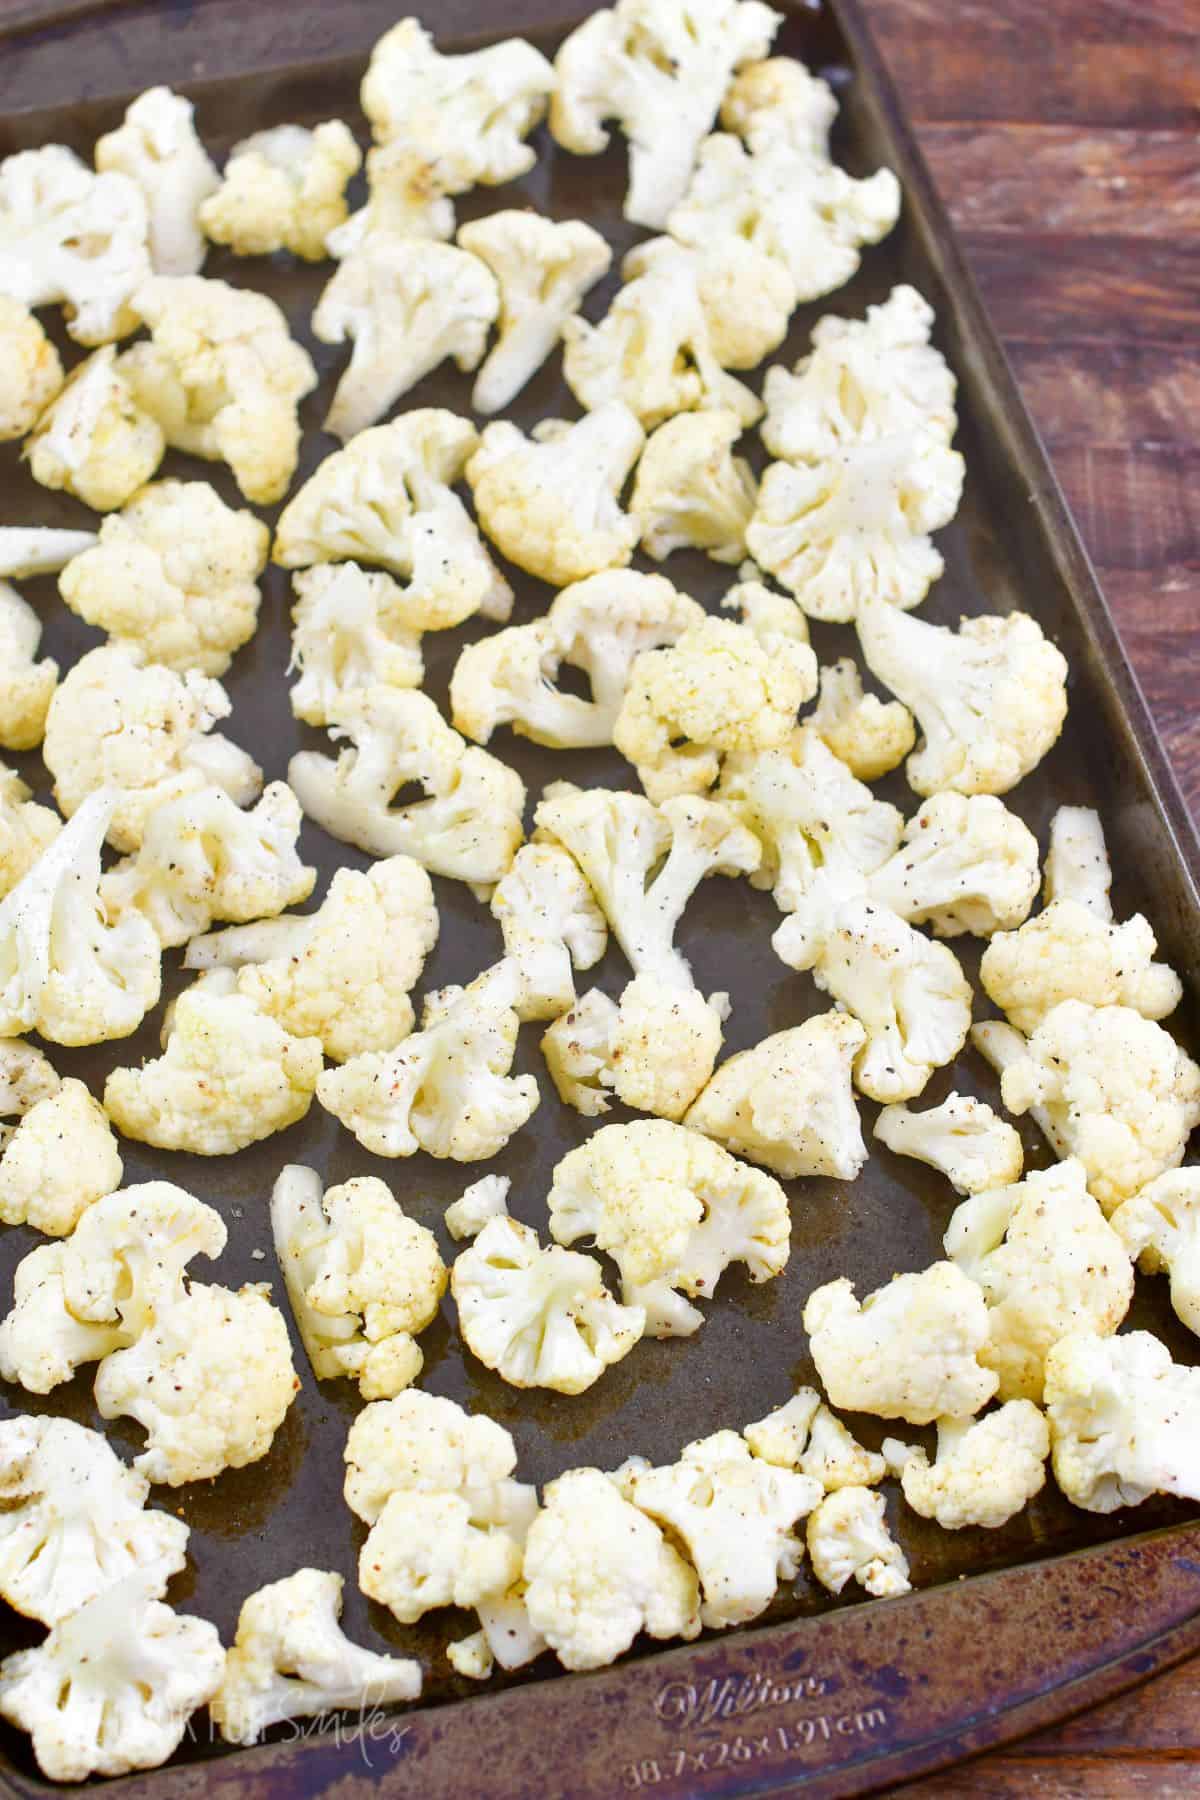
(911, 1350)
(346, 636)
(145, 732)
(963, 1139)
(94, 440)
(421, 1443)
(26, 686)
(852, 531)
(227, 1077)
(871, 736)
(405, 304)
(61, 1157)
(553, 505)
(1124, 1420)
(1160, 1226)
(660, 69)
(113, 1686)
(1049, 1265)
(159, 149)
(447, 1088)
(598, 1571)
(1077, 865)
(65, 972)
(31, 372)
(210, 1380)
(74, 1522)
(620, 840)
(779, 101)
(484, 1199)
(788, 1103)
(655, 1050)
(292, 1660)
(1068, 952)
(26, 830)
(863, 379)
(965, 864)
(37, 550)
(909, 993)
(539, 1315)
(691, 491)
(986, 1470)
(469, 825)
(26, 1076)
(223, 378)
(363, 1278)
(551, 926)
(543, 269)
(673, 1211)
(283, 189)
(990, 698)
(734, 1515)
(1120, 1092)
(714, 692)
(407, 195)
(848, 1540)
(72, 237)
(174, 578)
(745, 301)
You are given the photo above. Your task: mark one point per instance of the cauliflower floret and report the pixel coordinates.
(42, 1343)
(223, 378)
(599, 1571)
(848, 1540)
(788, 1103)
(64, 970)
(485, 1199)
(733, 1514)
(714, 692)
(471, 1657)
(71, 237)
(94, 440)
(660, 68)
(447, 1089)
(26, 686)
(36, 550)
(210, 1380)
(26, 1076)
(551, 925)
(468, 827)
(74, 1522)
(1001, 1047)
(292, 1660)
(159, 149)
(1120, 1092)
(345, 636)
(145, 732)
(835, 1459)
(420, 1443)
(655, 1050)
(31, 371)
(227, 1078)
(780, 1437)
(965, 864)
(1069, 953)
(990, 697)
(691, 491)
(539, 1315)
(406, 195)
(553, 506)
(363, 1278)
(174, 578)
(745, 299)
(852, 531)
(1048, 1264)
(911, 1350)
(620, 839)
(968, 1143)
(909, 992)
(283, 189)
(427, 1550)
(673, 1211)
(986, 1470)
(113, 1686)
(778, 101)
(543, 269)
(871, 736)
(1077, 866)
(406, 304)
(1160, 1226)
(1124, 1421)
(61, 1157)
(26, 830)
(863, 379)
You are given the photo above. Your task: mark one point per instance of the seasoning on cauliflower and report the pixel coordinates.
(871, 736)
(1160, 1226)
(1068, 952)
(222, 377)
(362, 1277)
(346, 636)
(779, 101)
(406, 195)
(834, 1457)
(986, 1470)
(37, 550)
(1077, 865)
(427, 1550)
(61, 1157)
(965, 864)
(26, 830)
(780, 1437)
(539, 1315)
(788, 1103)
(911, 1350)
(963, 1139)
(691, 491)
(94, 440)
(673, 1211)
(660, 68)
(31, 372)
(26, 1076)
(42, 1342)
(655, 1049)
(543, 269)
(848, 1540)
(421, 1443)
(484, 1199)
(26, 685)
(159, 149)
(292, 1660)
(283, 189)
(405, 304)
(551, 925)
(1120, 1092)
(1124, 1420)
(227, 1077)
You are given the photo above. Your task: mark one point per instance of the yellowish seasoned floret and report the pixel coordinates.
(1069, 953)
(1124, 1421)
(283, 189)
(26, 685)
(407, 195)
(95, 441)
(31, 372)
(691, 491)
(965, 864)
(347, 635)
(654, 1051)
(848, 1540)
(972, 1146)
(871, 736)
(551, 925)
(26, 829)
(61, 1157)
(985, 1472)
(1160, 1226)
